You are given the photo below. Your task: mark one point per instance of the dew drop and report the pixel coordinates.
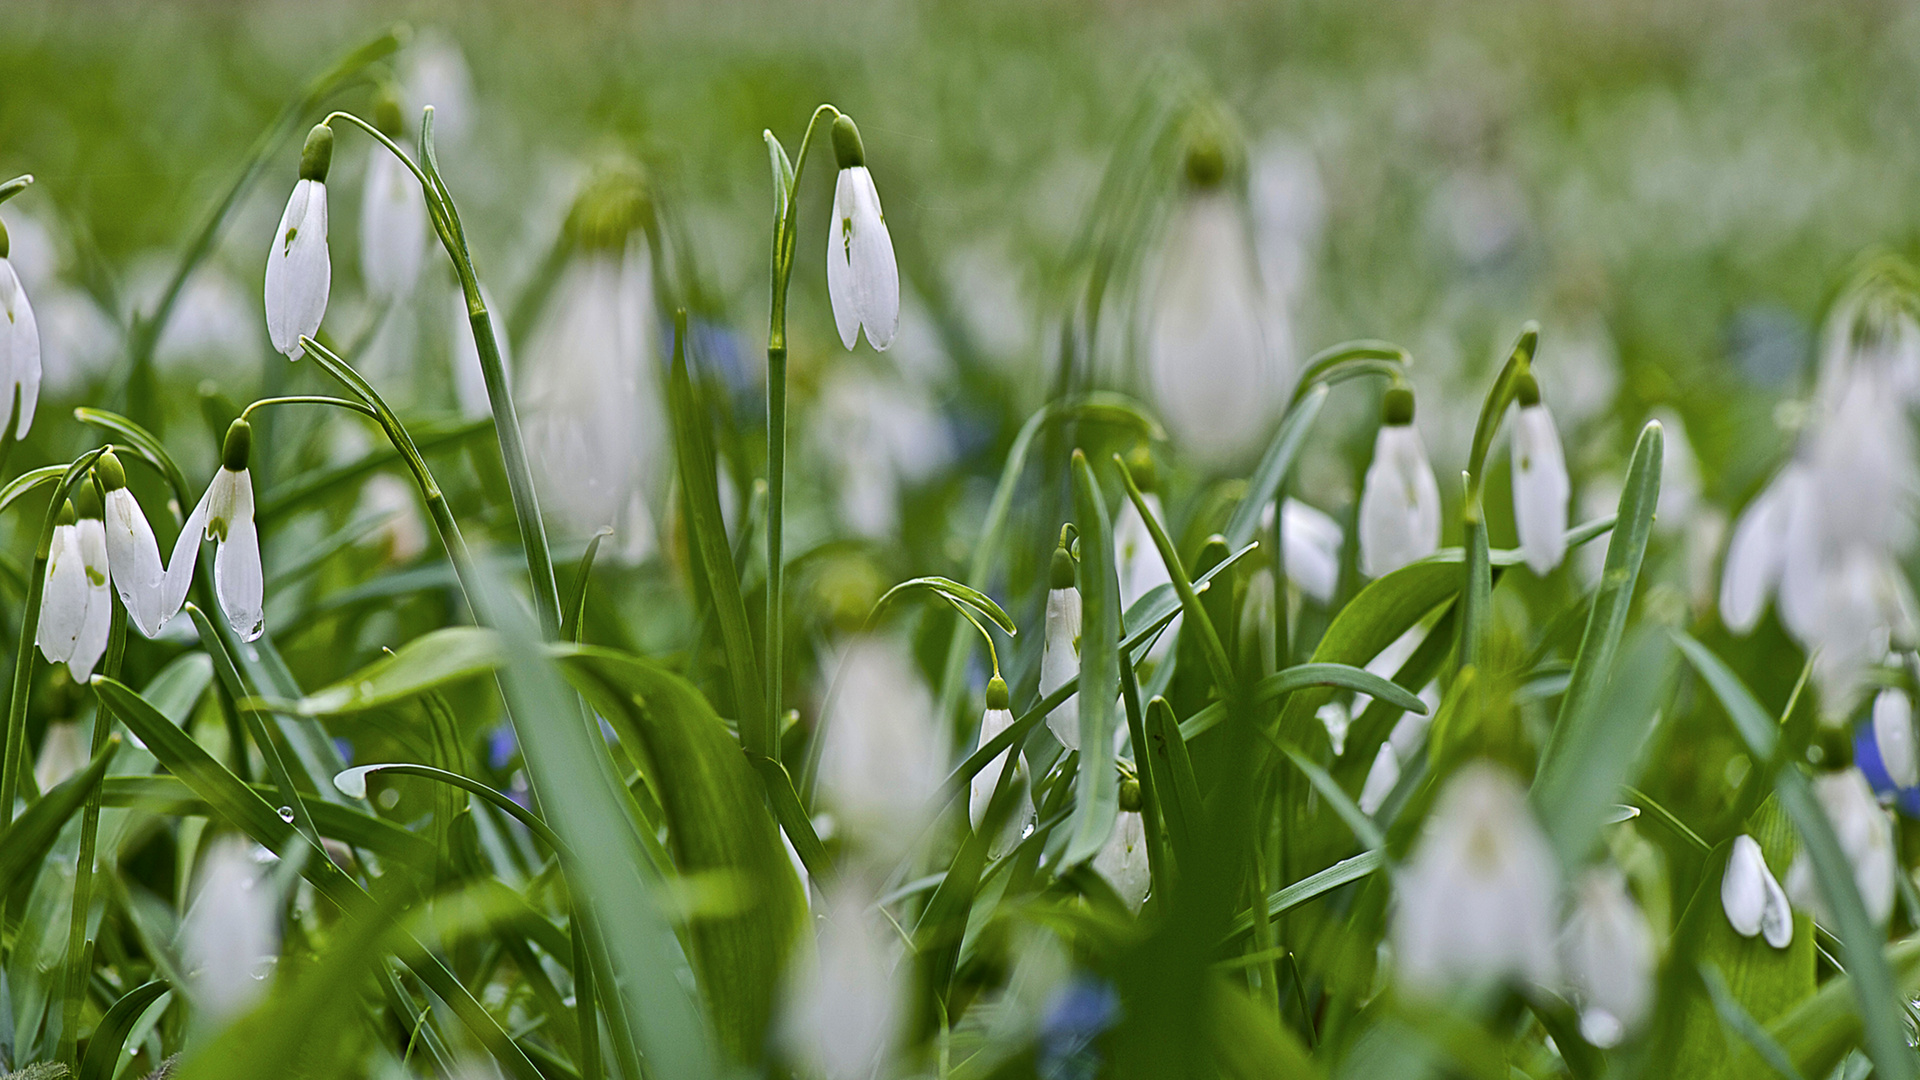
(286, 814)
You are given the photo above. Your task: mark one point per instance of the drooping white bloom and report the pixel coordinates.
(1893, 736)
(882, 760)
(231, 935)
(434, 72)
(1865, 835)
(19, 345)
(1136, 561)
(1477, 899)
(62, 753)
(1540, 488)
(997, 719)
(76, 608)
(133, 555)
(846, 1004)
(1400, 501)
(393, 227)
(863, 281)
(879, 434)
(1311, 541)
(225, 515)
(1060, 649)
(1756, 552)
(1123, 861)
(299, 268)
(1752, 897)
(1382, 776)
(1609, 955)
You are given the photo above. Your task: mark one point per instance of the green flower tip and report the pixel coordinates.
(1526, 389)
(1206, 162)
(316, 157)
(1061, 575)
(615, 203)
(237, 447)
(848, 150)
(386, 113)
(1140, 466)
(86, 498)
(111, 474)
(997, 696)
(66, 515)
(1130, 796)
(1398, 407)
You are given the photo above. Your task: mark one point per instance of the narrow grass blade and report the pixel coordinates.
(109, 1037)
(574, 613)
(1274, 465)
(1341, 873)
(1098, 796)
(1742, 1023)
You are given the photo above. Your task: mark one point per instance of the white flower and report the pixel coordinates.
(133, 555)
(1476, 901)
(299, 270)
(846, 1004)
(1609, 953)
(1756, 552)
(231, 936)
(393, 227)
(434, 72)
(1400, 501)
(1865, 835)
(1311, 540)
(882, 760)
(1540, 488)
(1893, 736)
(19, 345)
(225, 515)
(1382, 776)
(1213, 372)
(996, 720)
(393, 500)
(1752, 898)
(878, 435)
(76, 608)
(62, 753)
(1123, 861)
(1060, 650)
(1136, 560)
(863, 282)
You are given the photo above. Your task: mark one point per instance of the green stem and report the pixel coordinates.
(79, 949)
(309, 399)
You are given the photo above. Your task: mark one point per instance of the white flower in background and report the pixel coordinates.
(863, 281)
(1865, 835)
(231, 936)
(225, 515)
(214, 328)
(1540, 487)
(133, 555)
(878, 434)
(1752, 898)
(1136, 561)
(997, 719)
(299, 270)
(1609, 955)
(1288, 200)
(19, 343)
(1477, 898)
(434, 72)
(1400, 501)
(393, 216)
(1060, 647)
(595, 418)
(1311, 540)
(1123, 861)
(62, 753)
(1679, 475)
(1212, 370)
(1872, 333)
(76, 608)
(469, 381)
(845, 1005)
(882, 760)
(1382, 776)
(1757, 551)
(1893, 736)
(392, 499)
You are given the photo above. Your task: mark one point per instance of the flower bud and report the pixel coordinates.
(1130, 796)
(1140, 466)
(848, 150)
(237, 447)
(66, 516)
(1206, 162)
(86, 501)
(611, 207)
(1061, 575)
(1526, 389)
(1397, 407)
(997, 696)
(112, 474)
(316, 157)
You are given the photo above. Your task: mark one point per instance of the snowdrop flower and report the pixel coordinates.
(1060, 647)
(1136, 561)
(133, 554)
(76, 610)
(1382, 776)
(1609, 954)
(1752, 898)
(231, 936)
(878, 434)
(393, 216)
(1123, 861)
(225, 515)
(19, 343)
(998, 718)
(1477, 899)
(1540, 488)
(1212, 367)
(299, 270)
(434, 72)
(845, 1005)
(1865, 834)
(62, 753)
(863, 281)
(1400, 501)
(1757, 550)
(1311, 540)
(402, 532)
(1893, 735)
(882, 761)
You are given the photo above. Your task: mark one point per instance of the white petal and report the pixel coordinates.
(875, 277)
(846, 317)
(980, 794)
(299, 270)
(19, 350)
(393, 228)
(1751, 897)
(238, 580)
(1136, 560)
(1312, 542)
(92, 642)
(1609, 951)
(1060, 663)
(1893, 734)
(1382, 777)
(1399, 503)
(63, 600)
(1754, 556)
(1123, 861)
(232, 933)
(186, 555)
(134, 557)
(1540, 488)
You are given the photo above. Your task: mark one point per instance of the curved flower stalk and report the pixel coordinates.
(393, 217)
(1540, 487)
(1751, 896)
(19, 343)
(299, 269)
(133, 555)
(1608, 953)
(1060, 646)
(76, 610)
(863, 281)
(1136, 562)
(225, 515)
(1866, 836)
(1477, 899)
(1214, 372)
(1400, 500)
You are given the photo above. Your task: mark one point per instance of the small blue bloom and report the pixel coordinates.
(1077, 1014)
(1866, 756)
(501, 746)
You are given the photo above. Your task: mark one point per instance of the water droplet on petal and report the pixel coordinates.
(286, 814)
